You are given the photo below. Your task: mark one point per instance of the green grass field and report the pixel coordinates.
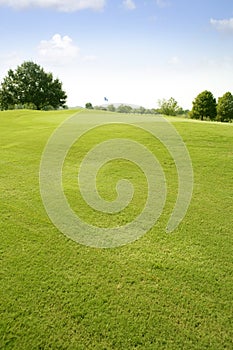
(163, 291)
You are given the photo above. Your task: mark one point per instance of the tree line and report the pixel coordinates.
(167, 107)
(122, 108)
(29, 86)
(205, 107)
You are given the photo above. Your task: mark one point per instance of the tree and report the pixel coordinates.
(88, 105)
(204, 106)
(169, 107)
(30, 85)
(225, 108)
(111, 108)
(101, 108)
(141, 110)
(124, 109)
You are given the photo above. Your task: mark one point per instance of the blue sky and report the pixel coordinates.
(132, 51)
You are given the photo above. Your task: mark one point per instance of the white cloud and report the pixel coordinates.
(129, 4)
(162, 3)
(8, 61)
(222, 24)
(58, 49)
(60, 5)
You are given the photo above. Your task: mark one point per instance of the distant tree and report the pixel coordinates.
(101, 108)
(124, 109)
(111, 108)
(186, 112)
(29, 86)
(154, 111)
(88, 105)
(169, 107)
(225, 108)
(142, 110)
(148, 111)
(204, 106)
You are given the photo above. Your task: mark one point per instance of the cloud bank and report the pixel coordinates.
(129, 4)
(162, 3)
(59, 5)
(222, 24)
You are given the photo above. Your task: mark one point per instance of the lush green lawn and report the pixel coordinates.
(164, 291)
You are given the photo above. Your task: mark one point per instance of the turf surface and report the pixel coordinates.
(164, 291)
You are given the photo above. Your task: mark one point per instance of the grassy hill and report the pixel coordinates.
(163, 291)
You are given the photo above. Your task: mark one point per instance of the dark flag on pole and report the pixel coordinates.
(106, 99)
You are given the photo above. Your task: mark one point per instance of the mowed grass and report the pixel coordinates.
(163, 291)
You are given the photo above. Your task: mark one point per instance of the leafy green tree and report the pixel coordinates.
(142, 110)
(124, 109)
(88, 105)
(7, 92)
(30, 85)
(204, 106)
(169, 107)
(111, 108)
(225, 108)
